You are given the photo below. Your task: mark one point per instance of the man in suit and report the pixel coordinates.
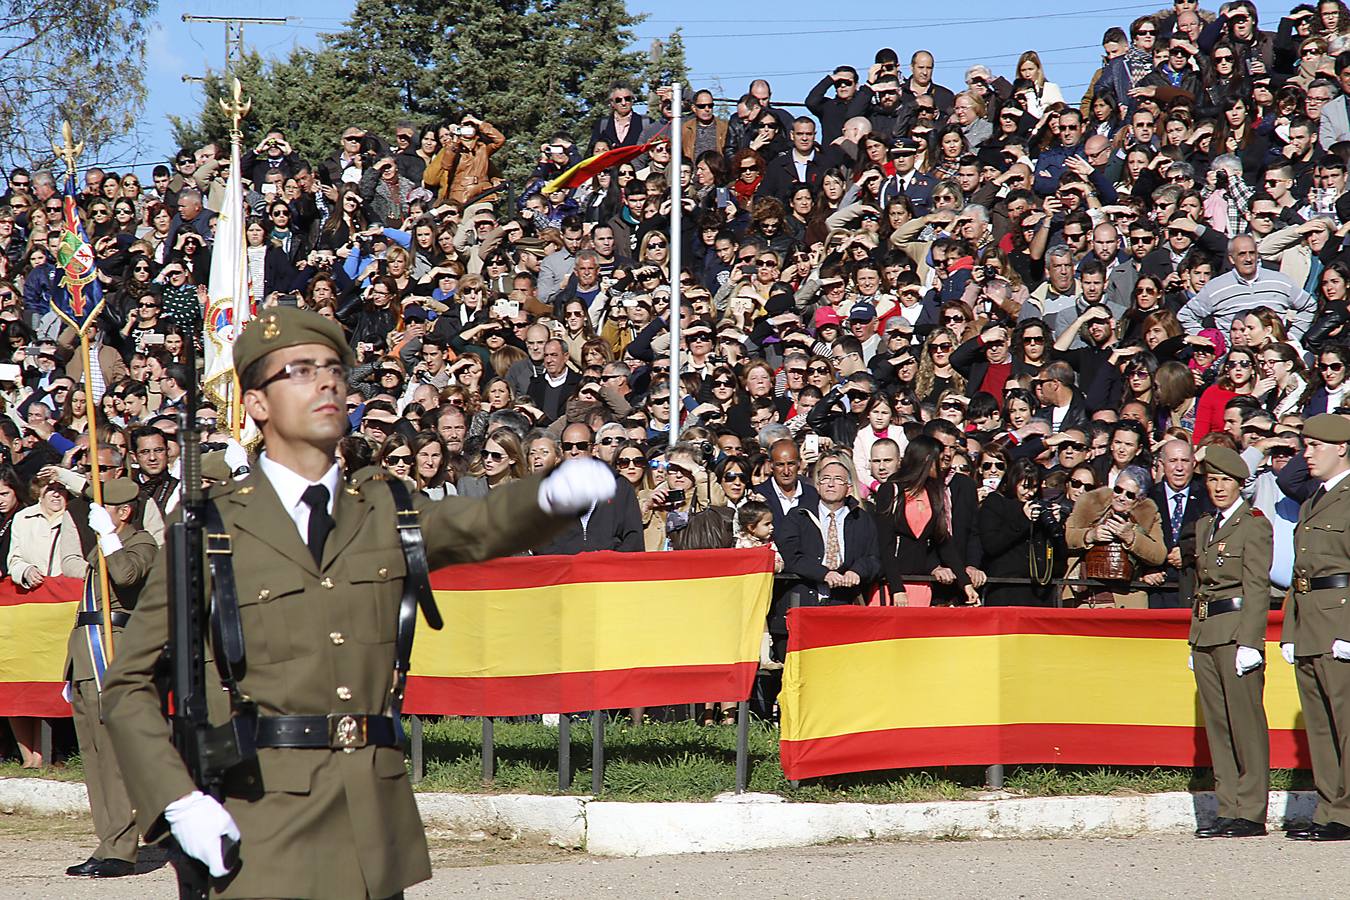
(832, 545)
(615, 524)
(319, 573)
(1228, 639)
(786, 489)
(129, 553)
(550, 390)
(1316, 624)
(798, 166)
(1181, 501)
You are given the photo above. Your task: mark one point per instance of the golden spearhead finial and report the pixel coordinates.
(69, 150)
(237, 108)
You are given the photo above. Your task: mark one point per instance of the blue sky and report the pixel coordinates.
(794, 43)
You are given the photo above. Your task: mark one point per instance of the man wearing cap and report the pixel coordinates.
(1316, 636)
(325, 809)
(129, 553)
(1228, 639)
(917, 186)
(862, 324)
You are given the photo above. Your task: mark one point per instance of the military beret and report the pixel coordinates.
(1328, 427)
(214, 467)
(1223, 461)
(279, 327)
(116, 491)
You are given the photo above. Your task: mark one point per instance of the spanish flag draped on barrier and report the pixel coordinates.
(550, 634)
(523, 635)
(882, 688)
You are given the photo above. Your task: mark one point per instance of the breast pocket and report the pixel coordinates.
(370, 607)
(268, 629)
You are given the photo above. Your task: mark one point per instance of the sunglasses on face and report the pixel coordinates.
(1075, 446)
(993, 466)
(494, 455)
(1330, 367)
(399, 459)
(1081, 484)
(1125, 492)
(954, 319)
(569, 446)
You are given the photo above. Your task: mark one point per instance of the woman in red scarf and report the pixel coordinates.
(747, 168)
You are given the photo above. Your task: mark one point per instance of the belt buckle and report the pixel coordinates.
(347, 732)
(1202, 610)
(1302, 584)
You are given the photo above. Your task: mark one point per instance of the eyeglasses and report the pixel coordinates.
(1141, 239)
(629, 462)
(1033, 339)
(940, 347)
(621, 99)
(494, 455)
(819, 370)
(767, 263)
(1075, 235)
(703, 106)
(1125, 492)
(1227, 57)
(1143, 32)
(1330, 367)
(953, 319)
(656, 244)
(993, 465)
(1081, 484)
(1307, 51)
(305, 371)
(399, 459)
(751, 168)
(658, 401)
(1240, 364)
(952, 404)
(680, 471)
(570, 446)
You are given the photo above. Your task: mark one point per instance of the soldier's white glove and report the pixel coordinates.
(575, 486)
(1190, 661)
(236, 457)
(1248, 658)
(100, 520)
(1287, 651)
(1340, 649)
(198, 823)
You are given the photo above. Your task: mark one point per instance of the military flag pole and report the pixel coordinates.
(79, 264)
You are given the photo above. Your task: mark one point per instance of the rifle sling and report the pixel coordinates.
(416, 592)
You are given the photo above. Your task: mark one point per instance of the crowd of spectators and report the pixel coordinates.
(937, 343)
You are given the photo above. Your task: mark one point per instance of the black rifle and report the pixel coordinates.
(208, 752)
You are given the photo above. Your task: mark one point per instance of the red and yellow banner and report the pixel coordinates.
(582, 172)
(34, 628)
(549, 634)
(881, 688)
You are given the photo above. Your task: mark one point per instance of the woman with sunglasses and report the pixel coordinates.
(1081, 480)
(1281, 384)
(1327, 390)
(397, 458)
(747, 170)
(1145, 299)
(501, 461)
(344, 222)
(992, 468)
(1124, 516)
(685, 490)
(1237, 377)
(1018, 535)
(734, 475)
(959, 319)
(630, 464)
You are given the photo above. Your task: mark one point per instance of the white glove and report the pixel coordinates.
(1248, 658)
(198, 823)
(1340, 649)
(575, 486)
(1287, 651)
(1190, 661)
(236, 457)
(100, 520)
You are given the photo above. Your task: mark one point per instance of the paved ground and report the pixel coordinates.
(34, 852)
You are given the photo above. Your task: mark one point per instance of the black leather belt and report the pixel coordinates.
(119, 619)
(1204, 609)
(334, 732)
(1303, 584)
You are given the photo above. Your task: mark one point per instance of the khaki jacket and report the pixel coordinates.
(319, 640)
(457, 175)
(1321, 547)
(1148, 548)
(1234, 563)
(128, 568)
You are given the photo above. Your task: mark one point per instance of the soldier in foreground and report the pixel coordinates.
(130, 553)
(324, 809)
(1228, 636)
(1316, 637)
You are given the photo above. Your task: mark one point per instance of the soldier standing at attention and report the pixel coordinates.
(130, 554)
(1228, 633)
(1316, 637)
(325, 809)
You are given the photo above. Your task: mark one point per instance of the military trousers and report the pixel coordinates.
(1235, 727)
(114, 822)
(1324, 693)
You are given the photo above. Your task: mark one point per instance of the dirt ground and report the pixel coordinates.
(35, 852)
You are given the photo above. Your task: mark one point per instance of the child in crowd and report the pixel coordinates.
(754, 528)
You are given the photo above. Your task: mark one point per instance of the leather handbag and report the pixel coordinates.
(1108, 562)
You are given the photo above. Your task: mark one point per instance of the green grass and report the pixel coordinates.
(683, 761)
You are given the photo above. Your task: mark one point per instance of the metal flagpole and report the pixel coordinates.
(676, 213)
(68, 151)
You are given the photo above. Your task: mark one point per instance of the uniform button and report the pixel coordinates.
(384, 573)
(344, 693)
(264, 594)
(327, 582)
(337, 638)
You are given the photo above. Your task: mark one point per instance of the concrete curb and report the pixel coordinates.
(759, 821)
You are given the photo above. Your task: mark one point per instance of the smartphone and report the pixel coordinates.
(269, 190)
(811, 444)
(991, 484)
(9, 372)
(153, 339)
(674, 496)
(723, 197)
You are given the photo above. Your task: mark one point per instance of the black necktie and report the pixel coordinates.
(1317, 497)
(320, 522)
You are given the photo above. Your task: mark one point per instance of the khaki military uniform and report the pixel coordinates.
(114, 822)
(1315, 619)
(1233, 562)
(320, 640)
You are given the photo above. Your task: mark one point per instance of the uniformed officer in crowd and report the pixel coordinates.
(1228, 637)
(130, 554)
(1316, 637)
(324, 812)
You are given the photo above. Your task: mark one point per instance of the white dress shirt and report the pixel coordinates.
(291, 486)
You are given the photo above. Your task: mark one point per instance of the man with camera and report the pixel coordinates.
(273, 154)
